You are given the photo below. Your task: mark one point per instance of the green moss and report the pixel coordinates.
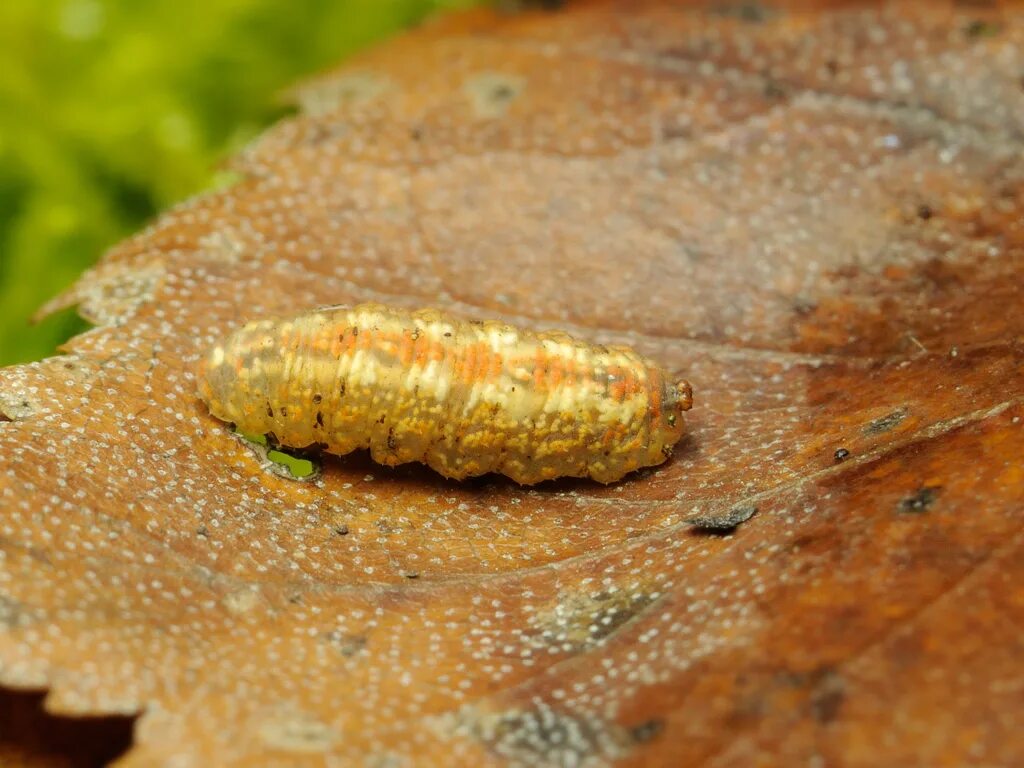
(110, 111)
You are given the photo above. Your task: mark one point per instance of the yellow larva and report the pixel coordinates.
(464, 397)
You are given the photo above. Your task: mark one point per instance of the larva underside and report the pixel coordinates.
(464, 397)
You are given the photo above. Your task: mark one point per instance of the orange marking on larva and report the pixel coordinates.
(654, 399)
(496, 368)
(481, 363)
(406, 350)
(319, 343)
(540, 369)
(611, 434)
(421, 354)
(436, 352)
(389, 343)
(417, 381)
(556, 373)
(617, 388)
(570, 371)
(468, 363)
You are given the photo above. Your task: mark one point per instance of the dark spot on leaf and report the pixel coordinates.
(411, 574)
(355, 331)
(13, 613)
(614, 610)
(774, 90)
(516, 6)
(545, 736)
(979, 28)
(886, 423)
(317, 399)
(341, 389)
(921, 501)
(385, 526)
(841, 454)
(341, 530)
(270, 410)
(320, 419)
(202, 531)
(647, 730)
(346, 644)
(284, 412)
(391, 438)
(723, 523)
(750, 12)
(501, 92)
(804, 306)
(827, 697)
(924, 212)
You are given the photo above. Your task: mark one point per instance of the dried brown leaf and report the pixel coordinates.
(813, 210)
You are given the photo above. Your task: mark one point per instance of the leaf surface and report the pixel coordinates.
(811, 210)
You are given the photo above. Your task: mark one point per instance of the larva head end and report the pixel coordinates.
(684, 395)
(675, 398)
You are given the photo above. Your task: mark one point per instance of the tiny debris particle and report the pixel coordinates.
(827, 697)
(841, 454)
(341, 530)
(723, 522)
(921, 500)
(979, 28)
(646, 731)
(750, 12)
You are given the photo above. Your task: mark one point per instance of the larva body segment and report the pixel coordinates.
(464, 397)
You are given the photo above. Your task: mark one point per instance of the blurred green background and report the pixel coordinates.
(112, 110)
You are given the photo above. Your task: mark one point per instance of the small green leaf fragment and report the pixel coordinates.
(258, 439)
(299, 468)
